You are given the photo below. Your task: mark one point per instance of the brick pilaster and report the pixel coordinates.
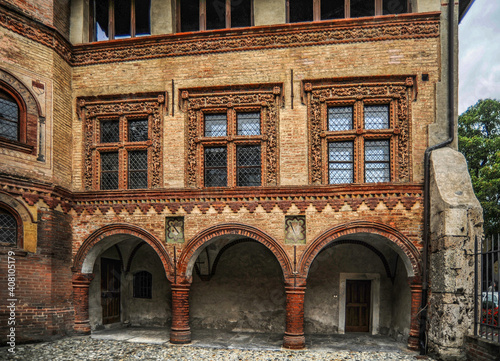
(180, 333)
(416, 299)
(81, 283)
(294, 334)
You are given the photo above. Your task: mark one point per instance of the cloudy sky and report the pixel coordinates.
(479, 36)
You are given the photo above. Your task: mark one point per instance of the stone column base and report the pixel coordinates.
(294, 342)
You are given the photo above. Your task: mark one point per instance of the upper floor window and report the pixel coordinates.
(359, 134)
(240, 139)
(119, 19)
(8, 228)
(9, 117)
(196, 15)
(314, 10)
(123, 153)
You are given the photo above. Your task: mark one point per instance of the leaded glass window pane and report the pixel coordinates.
(143, 285)
(216, 167)
(137, 130)
(9, 117)
(248, 165)
(301, 10)
(341, 162)
(190, 17)
(377, 161)
(110, 131)
(8, 228)
(109, 170)
(376, 116)
(215, 125)
(248, 123)
(138, 169)
(339, 118)
(241, 11)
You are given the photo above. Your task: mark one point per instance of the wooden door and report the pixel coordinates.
(110, 290)
(357, 318)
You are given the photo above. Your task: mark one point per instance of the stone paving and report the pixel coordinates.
(152, 344)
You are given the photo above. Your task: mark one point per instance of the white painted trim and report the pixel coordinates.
(374, 302)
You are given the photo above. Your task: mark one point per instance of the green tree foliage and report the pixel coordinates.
(479, 141)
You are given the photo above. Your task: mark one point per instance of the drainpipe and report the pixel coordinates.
(428, 151)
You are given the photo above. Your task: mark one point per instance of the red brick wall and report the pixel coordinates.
(478, 349)
(43, 283)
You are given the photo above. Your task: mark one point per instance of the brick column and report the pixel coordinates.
(81, 283)
(180, 332)
(416, 299)
(294, 334)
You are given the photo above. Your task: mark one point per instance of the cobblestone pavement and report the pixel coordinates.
(237, 347)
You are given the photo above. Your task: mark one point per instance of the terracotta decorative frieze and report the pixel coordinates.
(93, 109)
(407, 26)
(33, 30)
(395, 92)
(263, 98)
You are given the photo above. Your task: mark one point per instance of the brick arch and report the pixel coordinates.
(405, 247)
(27, 221)
(83, 263)
(196, 245)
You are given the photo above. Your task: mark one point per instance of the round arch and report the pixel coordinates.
(398, 242)
(197, 244)
(114, 233)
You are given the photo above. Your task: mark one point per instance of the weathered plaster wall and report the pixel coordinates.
(245, 294)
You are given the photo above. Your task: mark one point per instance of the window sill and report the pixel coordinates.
(17, 146)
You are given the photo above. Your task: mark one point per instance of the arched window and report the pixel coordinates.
(8, 228)
(143, 284)
(9, 116)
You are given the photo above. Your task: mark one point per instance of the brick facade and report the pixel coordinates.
(290, 74)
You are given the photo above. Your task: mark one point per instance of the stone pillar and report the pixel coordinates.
(416, 299)
(181, 333)
(294, 334)
(81, 283)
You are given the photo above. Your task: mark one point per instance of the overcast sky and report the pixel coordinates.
(479, 36)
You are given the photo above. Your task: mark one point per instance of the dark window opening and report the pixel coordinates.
(119, 19)
(109, 170)
(332, 9)
(216, 167)
(216, 14)
(8, 228)
(340, 162)
(9, 117)
(190, 15)
(241, 13)
(110, 131)
(138, 169)
(377, 161)
(301, 10)
(395, 7)
(248, 166)
(143, 285)
(360, 8)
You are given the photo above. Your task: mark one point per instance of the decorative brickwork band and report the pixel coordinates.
(294, 334)
(81, 283)
(181, 333)
(416, 299)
